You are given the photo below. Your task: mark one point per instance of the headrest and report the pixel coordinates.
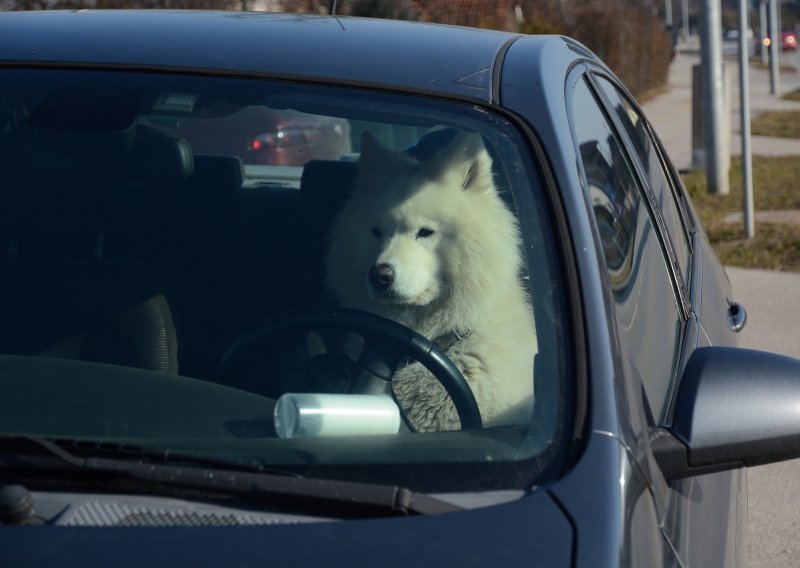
(224, 172)
(158, 157)
(213, 186)
(327, 181)
(137, 153)
(67, 185)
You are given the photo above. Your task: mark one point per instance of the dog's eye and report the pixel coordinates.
(376, 232)
(424, 232)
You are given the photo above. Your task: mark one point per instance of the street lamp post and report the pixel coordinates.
(711, 61)
(685, 14)
(744, 111)
(774, 48)
(762, 23)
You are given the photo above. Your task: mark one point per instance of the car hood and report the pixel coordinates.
(532, 527)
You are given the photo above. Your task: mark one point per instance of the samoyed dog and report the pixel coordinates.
(433, 246)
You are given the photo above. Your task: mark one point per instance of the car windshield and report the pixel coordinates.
(329, 280)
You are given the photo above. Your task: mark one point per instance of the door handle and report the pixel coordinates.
(737, 316)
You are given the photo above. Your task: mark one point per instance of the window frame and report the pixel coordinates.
(680, 292)
(682, 285)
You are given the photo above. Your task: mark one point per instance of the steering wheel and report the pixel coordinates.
(386, 343)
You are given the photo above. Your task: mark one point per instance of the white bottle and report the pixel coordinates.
(299, 415)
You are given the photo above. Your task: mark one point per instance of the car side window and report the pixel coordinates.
(653, 169)
(647, 311)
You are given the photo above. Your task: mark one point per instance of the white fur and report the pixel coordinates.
(465, 276)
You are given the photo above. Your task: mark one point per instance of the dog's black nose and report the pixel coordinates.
(381, 276)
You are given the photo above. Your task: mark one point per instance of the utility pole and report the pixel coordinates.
(685, 14)
(711, 61)
(744, 111)
(764, 33)
(774, 48)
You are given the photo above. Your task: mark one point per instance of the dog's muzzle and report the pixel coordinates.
(381, 276)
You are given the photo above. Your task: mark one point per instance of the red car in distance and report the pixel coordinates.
(264, 136)
(788, 40)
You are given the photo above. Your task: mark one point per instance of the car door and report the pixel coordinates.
(658, 265)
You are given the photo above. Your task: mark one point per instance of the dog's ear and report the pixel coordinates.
(467, 161)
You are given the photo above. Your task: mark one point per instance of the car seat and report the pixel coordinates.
(59, 295)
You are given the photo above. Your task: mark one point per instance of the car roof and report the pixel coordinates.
(419, 57)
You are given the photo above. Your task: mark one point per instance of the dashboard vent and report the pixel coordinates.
(97, 514)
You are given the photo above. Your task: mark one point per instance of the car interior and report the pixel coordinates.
(125, 245)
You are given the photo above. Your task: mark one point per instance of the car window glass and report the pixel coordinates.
(648, 155)
(183, 226)
(647, 315)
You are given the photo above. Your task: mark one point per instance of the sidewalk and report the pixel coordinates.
(670, 112)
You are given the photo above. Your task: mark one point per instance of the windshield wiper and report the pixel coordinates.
(67, 449)
(242, 479)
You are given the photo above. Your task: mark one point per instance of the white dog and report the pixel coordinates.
(433, 246)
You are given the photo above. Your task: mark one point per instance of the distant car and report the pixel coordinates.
(176, 367)
(788, 40)
(266, 136)
(733, 35)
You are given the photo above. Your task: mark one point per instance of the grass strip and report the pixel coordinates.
(779, 123)
(776, 183)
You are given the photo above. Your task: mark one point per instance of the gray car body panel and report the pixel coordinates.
(446, 59)
(661, 508)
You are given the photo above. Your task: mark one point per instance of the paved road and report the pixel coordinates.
(772, 299)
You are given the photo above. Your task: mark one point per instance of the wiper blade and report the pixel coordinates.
(230, 478)
(55, 446)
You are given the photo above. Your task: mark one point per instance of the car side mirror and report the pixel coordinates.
(734, 408)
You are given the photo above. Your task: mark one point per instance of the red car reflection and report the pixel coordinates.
(264, 136)
(788, 41)
(294, 139)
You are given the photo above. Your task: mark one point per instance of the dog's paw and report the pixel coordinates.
(424, 400)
